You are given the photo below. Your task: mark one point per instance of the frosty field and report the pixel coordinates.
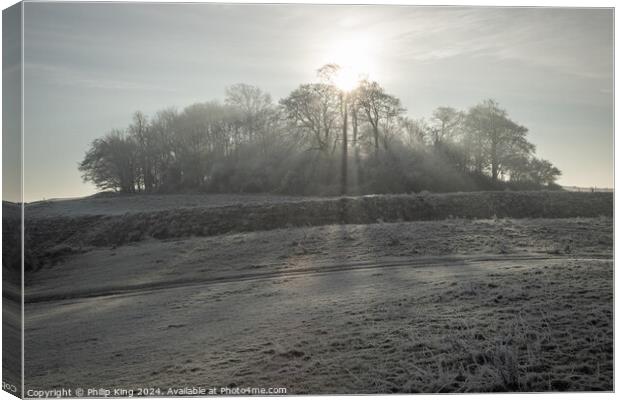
(448, 305)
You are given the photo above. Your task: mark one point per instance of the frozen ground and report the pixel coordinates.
(114, 204)
(454, 305)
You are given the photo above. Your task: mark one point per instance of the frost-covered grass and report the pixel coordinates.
(161, 299)
(485, 305)
(497, 326)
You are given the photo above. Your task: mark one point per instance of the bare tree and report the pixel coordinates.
(543, 172)
(446, 119)
(377, 106)
(139, 131)
(255, 107)
(495, 137)
(165, 151)
(314, 111)
(415, 132)
(110, 163)
(328, 73)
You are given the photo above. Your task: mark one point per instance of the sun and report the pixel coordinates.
(355, 58)
(346, 78)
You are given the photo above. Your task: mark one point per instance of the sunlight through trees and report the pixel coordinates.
(301, 145)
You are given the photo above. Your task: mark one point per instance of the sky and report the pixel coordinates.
(89, 67)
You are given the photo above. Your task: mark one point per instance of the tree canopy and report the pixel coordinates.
(250, 144)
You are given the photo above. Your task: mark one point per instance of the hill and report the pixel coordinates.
(54, 229)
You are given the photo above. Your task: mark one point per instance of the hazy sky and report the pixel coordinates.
(88, 67)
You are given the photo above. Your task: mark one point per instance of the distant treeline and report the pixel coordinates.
(298, 146)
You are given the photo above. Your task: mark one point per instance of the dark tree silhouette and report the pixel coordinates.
(250, 144)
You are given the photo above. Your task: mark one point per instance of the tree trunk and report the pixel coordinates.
(354, 123)
(345, 145)
(375, 129)
(494, 169)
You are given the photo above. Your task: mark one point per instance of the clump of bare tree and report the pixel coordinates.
(301, 146)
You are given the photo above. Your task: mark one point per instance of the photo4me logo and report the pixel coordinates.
(251, 391)
(202, 391)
